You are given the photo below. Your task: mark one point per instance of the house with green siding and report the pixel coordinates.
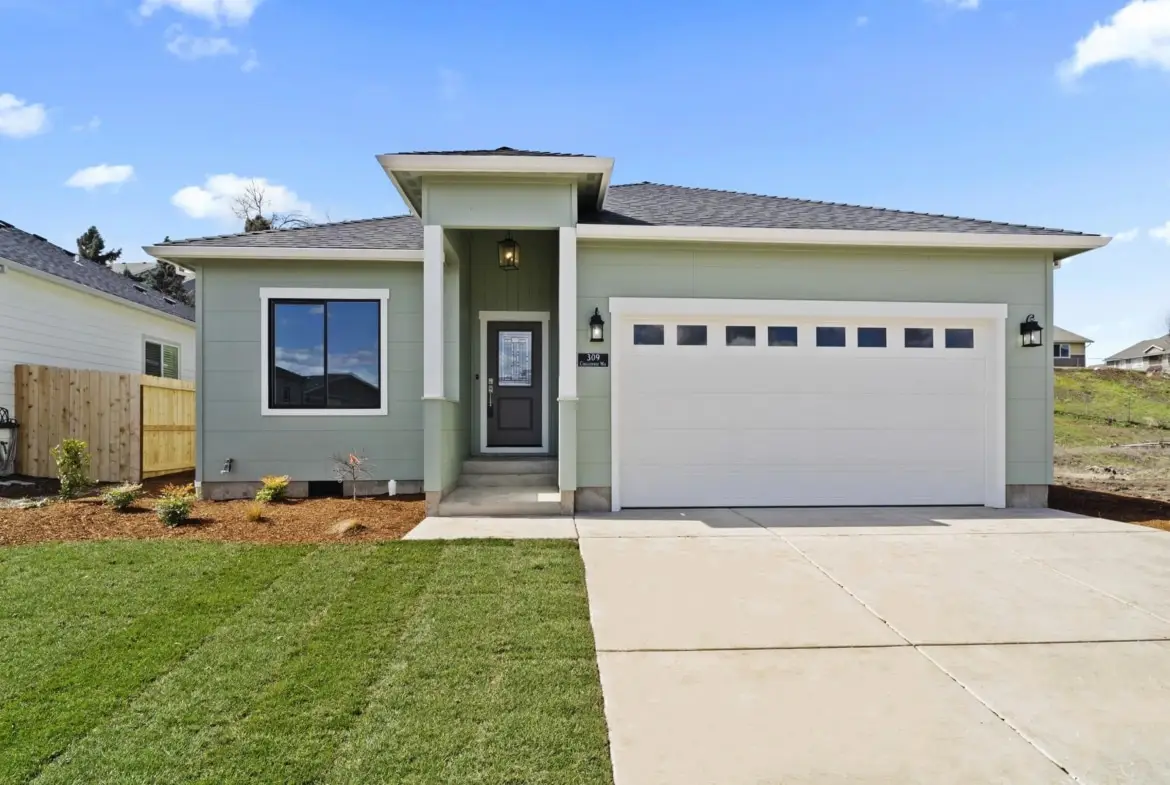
(532, 339)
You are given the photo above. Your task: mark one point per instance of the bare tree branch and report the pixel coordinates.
(251, 206)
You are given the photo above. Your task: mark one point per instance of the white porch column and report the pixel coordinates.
(433, 392)
(567, 326)
(433, 260)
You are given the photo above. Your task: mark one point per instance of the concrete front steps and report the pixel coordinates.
(505, 486)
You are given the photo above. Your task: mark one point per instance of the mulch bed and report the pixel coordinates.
(294, 521)
(1114, 506)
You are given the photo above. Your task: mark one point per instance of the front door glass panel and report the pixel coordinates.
(515, 348)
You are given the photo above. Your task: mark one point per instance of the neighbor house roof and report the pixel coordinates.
(1140, 349)
(37, 253)
(646, 204)
(1061, 335)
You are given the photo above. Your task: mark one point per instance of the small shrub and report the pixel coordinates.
(275, 488)
(122, 497)
(174, 510)
(255, 512)
(346, 527)
(179, 491)
(72, 459)
(350, 468)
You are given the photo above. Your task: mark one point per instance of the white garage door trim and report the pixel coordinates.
(625, 310)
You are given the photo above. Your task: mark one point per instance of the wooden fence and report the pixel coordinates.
(136, 426)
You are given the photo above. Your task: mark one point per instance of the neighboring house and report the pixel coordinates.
(754, 350)
(133, 268)
(58, 310)
(1152, 354)
(1068, 348)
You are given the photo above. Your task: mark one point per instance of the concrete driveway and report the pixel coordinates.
(881, 646)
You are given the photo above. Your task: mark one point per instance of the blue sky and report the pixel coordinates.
(1051, 112)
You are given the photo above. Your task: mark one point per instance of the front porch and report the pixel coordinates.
(499, 371)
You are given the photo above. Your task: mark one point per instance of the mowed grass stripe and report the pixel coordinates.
(81, 693)
(57, 601)
(297, 721)
(497, 680)
(165, 735)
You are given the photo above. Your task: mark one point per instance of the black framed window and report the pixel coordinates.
(649, 335)
(960, 338)
(325, 354)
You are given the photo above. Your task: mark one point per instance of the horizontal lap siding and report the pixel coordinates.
(232, 426)
(44, 323)
(1019, 280)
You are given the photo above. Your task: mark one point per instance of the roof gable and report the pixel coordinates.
(1142, 348)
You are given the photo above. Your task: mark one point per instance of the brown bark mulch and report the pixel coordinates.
(295, 521)
(1114, 506)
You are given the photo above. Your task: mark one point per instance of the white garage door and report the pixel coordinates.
(804, 411)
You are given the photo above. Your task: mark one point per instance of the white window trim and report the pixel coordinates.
(513, 316)
(383, 298)
(163, 344)
(1063, 351)
(653, 310)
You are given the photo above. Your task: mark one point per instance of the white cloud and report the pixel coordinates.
(216, 11)
(963, 5)
(251, 64)
(103, 174)
(1162, 233)
(94, 123)
(215, 197)
(193, 47)
(19, 119)
(1138, 33)
(862, 21)
(1128, 236)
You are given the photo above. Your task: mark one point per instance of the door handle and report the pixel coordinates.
(491, 391)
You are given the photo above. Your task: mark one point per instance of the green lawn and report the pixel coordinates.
(427, 662)
(1114, 397)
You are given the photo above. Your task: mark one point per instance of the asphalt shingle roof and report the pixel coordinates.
(646, 204)
(1061, 335)
(1139, 348)
(654, 204)
(498, 151)
(36, 252)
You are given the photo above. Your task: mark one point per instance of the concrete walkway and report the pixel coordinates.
(890, 646)
(881, 646)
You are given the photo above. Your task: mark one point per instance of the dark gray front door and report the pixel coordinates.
(514, 391)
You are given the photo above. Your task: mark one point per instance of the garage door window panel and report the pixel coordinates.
(691, 334)
(830, 336)
(871, 337)
(740, 335)
(919, 337)
(960, 338)
(649, 335)
(783, 336)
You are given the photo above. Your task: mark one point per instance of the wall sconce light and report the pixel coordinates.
(509, 253)
(1031, 331)
(596, 327)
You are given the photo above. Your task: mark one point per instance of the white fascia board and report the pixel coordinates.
(171, 253)
(496, 164)
(685, 306)
(77, 287)
(839, 237)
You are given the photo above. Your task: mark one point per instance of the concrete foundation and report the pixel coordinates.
(1033, 497)
(568, 499)
(226, 491)
(379, 487)
(594, 499)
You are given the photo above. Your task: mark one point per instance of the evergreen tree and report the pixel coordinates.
(166, 280)
(91, 246)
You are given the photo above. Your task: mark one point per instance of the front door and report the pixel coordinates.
(514, 385)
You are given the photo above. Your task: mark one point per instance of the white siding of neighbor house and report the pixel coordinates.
(45, 323)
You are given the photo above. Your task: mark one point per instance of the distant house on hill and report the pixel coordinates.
(1068, 348)
(1152, 354)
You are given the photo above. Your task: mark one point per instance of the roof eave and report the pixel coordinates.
(177, 254)
(1062, 246)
